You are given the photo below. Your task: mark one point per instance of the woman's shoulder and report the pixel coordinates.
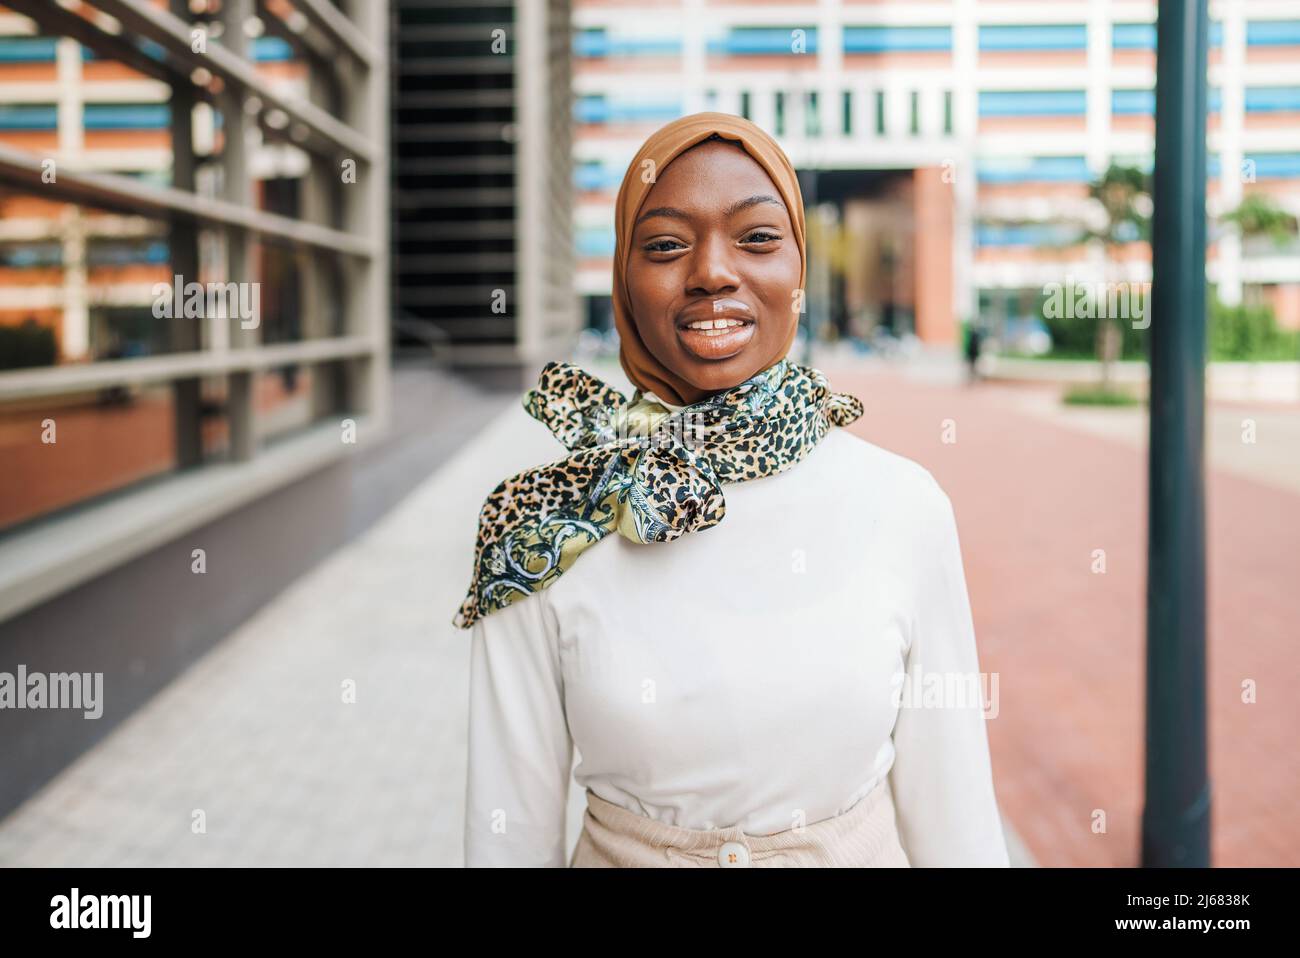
(885, 472)
(901, 500)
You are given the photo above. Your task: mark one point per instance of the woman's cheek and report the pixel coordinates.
(647, 291)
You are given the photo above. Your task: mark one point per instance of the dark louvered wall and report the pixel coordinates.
(460, 142)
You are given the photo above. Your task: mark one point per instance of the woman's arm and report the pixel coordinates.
(520, 751)
(942, 776)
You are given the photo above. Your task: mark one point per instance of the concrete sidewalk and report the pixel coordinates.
(256, 741)
(256, 738)
(1258, 441)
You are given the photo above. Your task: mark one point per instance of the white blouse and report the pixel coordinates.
(750, 673)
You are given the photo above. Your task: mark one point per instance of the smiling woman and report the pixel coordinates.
(688, 265)
(709, 267)
(738, 697)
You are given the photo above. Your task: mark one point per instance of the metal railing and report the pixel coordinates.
(342, 234)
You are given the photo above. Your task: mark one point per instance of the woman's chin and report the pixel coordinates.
(718, 374)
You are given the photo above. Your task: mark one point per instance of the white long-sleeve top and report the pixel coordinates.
(745, 674)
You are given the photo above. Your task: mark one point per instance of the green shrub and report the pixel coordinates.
(1233, 333)
(1096, 396)
(1075, 337)
(1248, 332)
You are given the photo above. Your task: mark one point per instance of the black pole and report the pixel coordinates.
(1176, 815)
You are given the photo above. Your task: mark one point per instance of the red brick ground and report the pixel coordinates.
(1033, 500)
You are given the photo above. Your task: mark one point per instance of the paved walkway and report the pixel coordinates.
(257, 736)
(1272, 458)
(1036, 489)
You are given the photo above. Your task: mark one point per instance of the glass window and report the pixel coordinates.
(29, 116)
(1273, 33)
(124, 332)
(1016, 103)
(28, 49)
(30, 255)
(743, 41)
(897, 39)
(1033, 38)
(126, 116)
(63, 450)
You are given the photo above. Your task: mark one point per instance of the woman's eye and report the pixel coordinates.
(660, 246)
(762, 236)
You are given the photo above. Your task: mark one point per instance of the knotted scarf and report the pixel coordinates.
(637, 469)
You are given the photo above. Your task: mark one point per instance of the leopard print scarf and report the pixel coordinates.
(637, 469)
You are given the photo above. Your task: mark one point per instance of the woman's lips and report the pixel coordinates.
(717, 329)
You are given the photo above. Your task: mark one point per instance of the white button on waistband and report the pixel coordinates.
(733, 855)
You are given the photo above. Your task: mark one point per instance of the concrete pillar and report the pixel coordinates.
(933, 256)
(237, 187)
(74, 336)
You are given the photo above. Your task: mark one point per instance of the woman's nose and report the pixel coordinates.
(713, 269)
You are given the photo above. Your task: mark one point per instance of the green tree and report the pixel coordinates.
(1258, 216)
(1122, 196)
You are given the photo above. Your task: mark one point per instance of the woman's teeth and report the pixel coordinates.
(714, 327)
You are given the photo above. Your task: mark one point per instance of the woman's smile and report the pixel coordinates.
(715, 329)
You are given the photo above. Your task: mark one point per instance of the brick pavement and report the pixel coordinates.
(1033, 499)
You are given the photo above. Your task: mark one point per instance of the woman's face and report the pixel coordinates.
(713, 267)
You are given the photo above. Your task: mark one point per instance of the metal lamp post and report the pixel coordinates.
(1176, 814)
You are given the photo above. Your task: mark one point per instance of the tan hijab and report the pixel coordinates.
(641, 366)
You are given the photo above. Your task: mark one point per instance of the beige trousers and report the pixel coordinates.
(866, 836)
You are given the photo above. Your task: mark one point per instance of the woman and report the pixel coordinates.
(735, 671)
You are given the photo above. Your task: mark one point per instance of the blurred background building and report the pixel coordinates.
(948, 148)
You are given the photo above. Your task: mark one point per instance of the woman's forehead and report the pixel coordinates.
(730, 155)
(713, 177)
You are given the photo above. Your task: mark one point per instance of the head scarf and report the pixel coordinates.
(637, 467)
(641, 366)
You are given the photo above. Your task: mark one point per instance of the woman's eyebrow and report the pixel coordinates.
(670, 211)
(745, 204)
(732, 210)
